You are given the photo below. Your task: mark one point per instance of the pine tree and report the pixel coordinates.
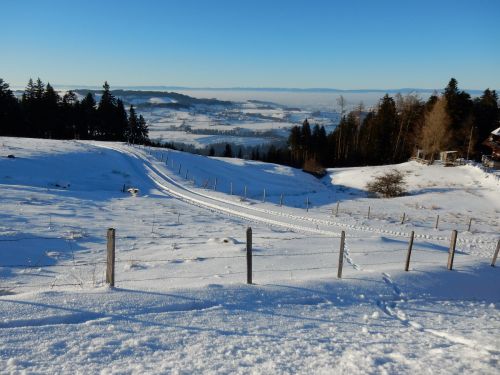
(294, 143)
(70, 108)
(11, 123)
(32, 106)
(51, 120)
(137, 131)
(132, 133)
(487, 116)
(120, 124)
(305, 138)
(106, 113)
(228, 152)
(143, 130)
(460, 110)
(29, 92)
(88, 118)
(39, 89)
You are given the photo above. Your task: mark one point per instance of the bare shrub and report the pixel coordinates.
(390, 184)
(314, 167)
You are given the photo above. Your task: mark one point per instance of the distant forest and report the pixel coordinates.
(42, 113)
(389, 133)
(393, 131)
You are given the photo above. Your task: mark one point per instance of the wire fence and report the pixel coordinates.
(343, 209)
(323, 262)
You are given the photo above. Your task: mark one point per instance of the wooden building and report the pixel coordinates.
(493, 144)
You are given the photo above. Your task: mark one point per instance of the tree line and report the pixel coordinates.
(42, 113)
(393, 131)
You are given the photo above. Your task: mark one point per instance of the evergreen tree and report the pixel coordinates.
(228, 152)
(460, 110)
(143, 130)
(39, 89)
(132, 134)
(294, 143)
(29, 92)
(487, 117)
(383, 131)
(32, 106)
(11, 122)
(107, 114)
(50, 114)
(89, 123)
(73, 125)
(306, 139)
(120, 124)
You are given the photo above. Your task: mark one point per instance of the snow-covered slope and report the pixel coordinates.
(181, 304)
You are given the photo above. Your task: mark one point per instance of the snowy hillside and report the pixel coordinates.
(181, 304)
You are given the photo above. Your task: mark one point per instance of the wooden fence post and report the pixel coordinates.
(368, 212)
(249, 255)
(451, 252)
(437, 221)
(264, 196)
(403, 218)
(337, 209)
(215, 183)
(408, 255)
(180, 166)
(230, 188)
(110, 264)
(495, 255)
(470, 223)
(186, 176)
(307, 204)
(341, 254)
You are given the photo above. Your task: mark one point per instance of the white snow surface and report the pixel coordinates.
(180, 303)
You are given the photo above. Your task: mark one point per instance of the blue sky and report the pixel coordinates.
(219, 43)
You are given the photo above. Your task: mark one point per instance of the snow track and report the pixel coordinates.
(393, 308)
(160, 175)
(229, 207)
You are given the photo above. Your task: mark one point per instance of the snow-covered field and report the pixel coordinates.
(181, 304)
(246, 123)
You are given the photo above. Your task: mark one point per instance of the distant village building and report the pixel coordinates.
(493, 144)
